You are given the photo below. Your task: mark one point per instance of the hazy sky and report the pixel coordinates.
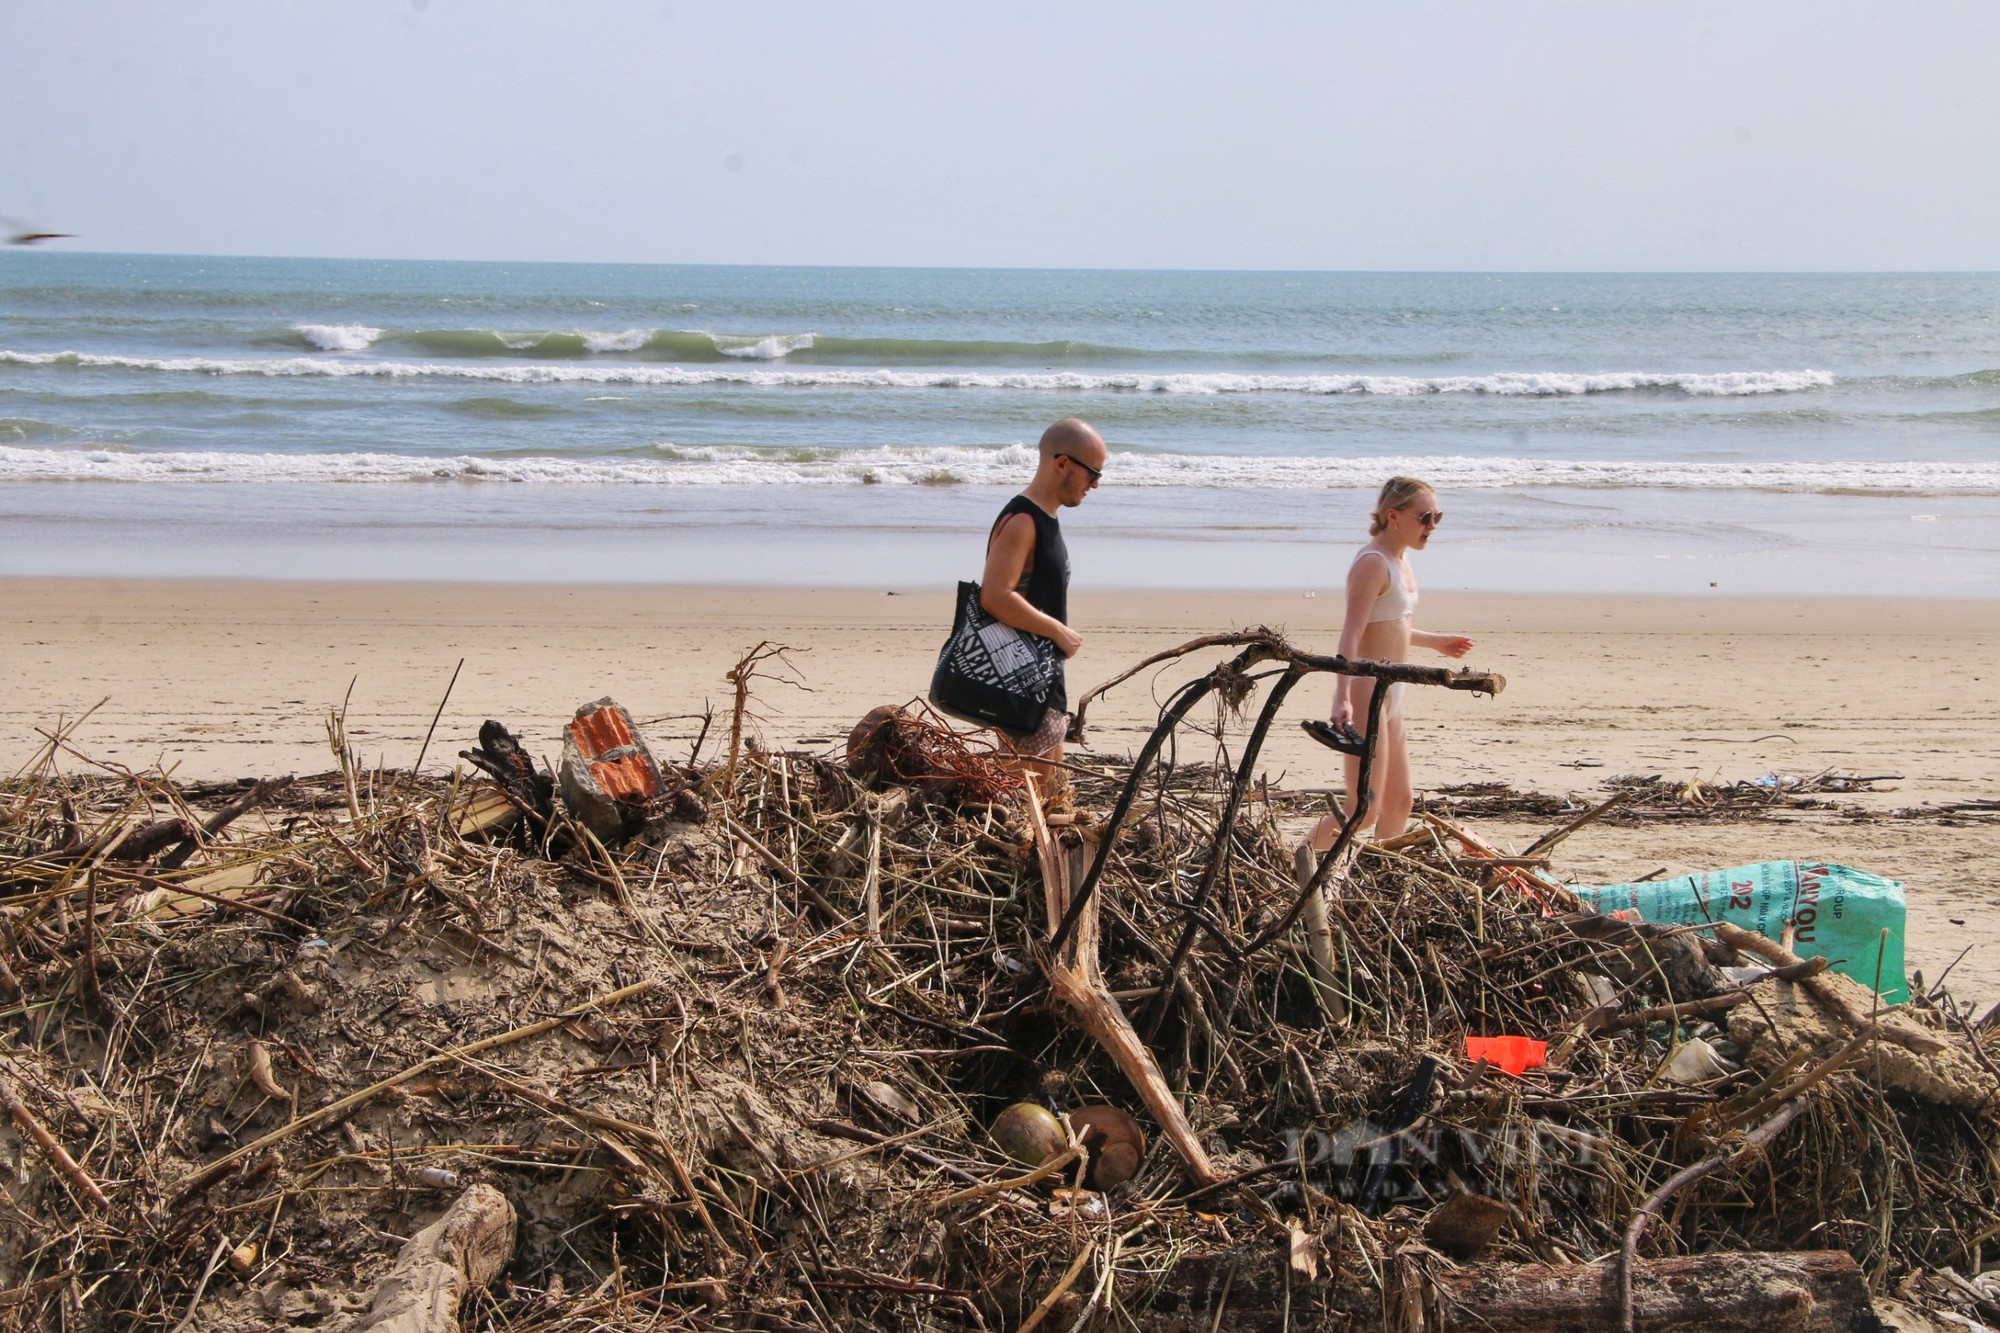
(1478, 134)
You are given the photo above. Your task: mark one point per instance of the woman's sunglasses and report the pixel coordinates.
(1430, 518)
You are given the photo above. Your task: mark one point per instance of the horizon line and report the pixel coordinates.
(1033, 268)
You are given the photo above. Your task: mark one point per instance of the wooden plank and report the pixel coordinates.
(231, 881)
(484, 811)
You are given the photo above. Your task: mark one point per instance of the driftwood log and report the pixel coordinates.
(1321, 950)
(501, 757)
(149, 839)
(1077, 983)
(1231, 681)
(1827, 991)
(260, 791)
(1075, 978)
(1250, 1289)
(461, 1252)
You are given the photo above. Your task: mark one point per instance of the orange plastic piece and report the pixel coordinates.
(1516, 1055)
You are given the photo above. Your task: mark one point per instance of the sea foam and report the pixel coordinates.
(710, 465)
(338, 337)
(772, 347)
(631, 340)
(1502, 384)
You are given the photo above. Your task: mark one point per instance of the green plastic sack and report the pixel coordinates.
(1838, 912)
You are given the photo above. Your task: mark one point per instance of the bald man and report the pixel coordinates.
(1026, 583)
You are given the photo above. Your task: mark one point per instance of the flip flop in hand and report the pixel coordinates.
(1337, 736)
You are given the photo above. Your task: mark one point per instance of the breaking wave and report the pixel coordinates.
(703, 345)
(1503, 384)
(28, 428)
(690, 465)
(570, 344)
(338, 337)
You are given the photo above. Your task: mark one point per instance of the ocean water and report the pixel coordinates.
(1651, 433)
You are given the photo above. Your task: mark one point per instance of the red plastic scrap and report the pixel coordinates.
(1516, 1055)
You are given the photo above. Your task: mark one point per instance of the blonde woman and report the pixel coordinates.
(1381, 600)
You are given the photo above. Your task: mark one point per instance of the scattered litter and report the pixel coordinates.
(1516, 1055)
(1851, 918)
(1695, 1061)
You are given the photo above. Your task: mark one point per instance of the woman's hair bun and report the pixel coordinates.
(1396, 492)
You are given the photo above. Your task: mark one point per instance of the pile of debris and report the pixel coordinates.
(723, 1045)
(1651, 798)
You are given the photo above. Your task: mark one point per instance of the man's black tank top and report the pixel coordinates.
(1045, 582)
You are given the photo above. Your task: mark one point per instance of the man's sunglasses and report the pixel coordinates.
(1096, 474)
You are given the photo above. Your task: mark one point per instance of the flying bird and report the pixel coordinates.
(24, 235)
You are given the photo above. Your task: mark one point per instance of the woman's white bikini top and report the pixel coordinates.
(1396, 601)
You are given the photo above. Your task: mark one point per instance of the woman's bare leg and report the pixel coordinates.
(1329, 828)
(1394, 793)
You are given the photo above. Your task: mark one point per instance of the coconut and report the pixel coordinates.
(1116, 1143)
(1029, 1133)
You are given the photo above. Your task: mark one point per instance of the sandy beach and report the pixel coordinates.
(375, 376)
(227, 679)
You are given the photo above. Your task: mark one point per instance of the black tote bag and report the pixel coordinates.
(992, 673)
